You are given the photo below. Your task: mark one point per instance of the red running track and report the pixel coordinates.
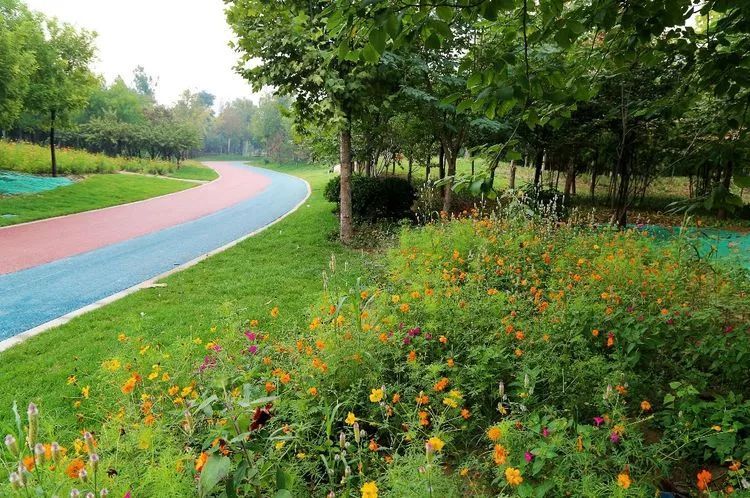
(36, 243)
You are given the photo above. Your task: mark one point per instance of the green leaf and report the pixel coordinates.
(432, 42)
(445, 12)
(370, 53)
(284, 480)
(377, 39)
(474, 80)
(216, 468)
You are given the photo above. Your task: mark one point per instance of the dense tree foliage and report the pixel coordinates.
(634, 90)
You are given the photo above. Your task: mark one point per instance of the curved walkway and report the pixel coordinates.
(88, 257)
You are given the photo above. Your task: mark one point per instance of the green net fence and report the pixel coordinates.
(12, 183)
(710, 242)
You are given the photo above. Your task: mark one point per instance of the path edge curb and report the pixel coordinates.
(62, 320)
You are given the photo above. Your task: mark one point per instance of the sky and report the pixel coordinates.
(182, 43)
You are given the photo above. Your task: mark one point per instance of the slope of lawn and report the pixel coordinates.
(192, 170)
(92, 192)
(280, 267)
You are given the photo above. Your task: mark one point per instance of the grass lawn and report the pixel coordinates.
(193, 170)
(93, 192)
(281, 266)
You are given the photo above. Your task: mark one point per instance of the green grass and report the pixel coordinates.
(92, 192)
(193, 170)
(281, 266)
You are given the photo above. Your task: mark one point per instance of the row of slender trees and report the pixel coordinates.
(49, 94)
(632, 89)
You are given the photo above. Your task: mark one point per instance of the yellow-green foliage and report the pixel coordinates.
(29, 158)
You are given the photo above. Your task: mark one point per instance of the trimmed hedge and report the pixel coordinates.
(375, 198)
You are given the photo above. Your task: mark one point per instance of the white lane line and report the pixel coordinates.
(24, 336)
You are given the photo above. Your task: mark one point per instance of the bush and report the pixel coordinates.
(29, 158)
(375, 198)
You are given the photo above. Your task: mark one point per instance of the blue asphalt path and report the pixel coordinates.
(32, 297)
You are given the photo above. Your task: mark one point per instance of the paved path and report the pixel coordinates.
(77, 260)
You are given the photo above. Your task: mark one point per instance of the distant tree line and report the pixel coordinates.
(49, 94)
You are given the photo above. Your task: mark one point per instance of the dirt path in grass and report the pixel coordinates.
(28, 245)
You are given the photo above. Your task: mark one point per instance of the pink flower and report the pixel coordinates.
(545, 432)
(598, 421)
(250, 335)
(528, 456)
(614, 437)
(252, 349)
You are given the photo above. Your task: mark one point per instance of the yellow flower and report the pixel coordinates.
(112, 365)
(85, 392)
(513, 476)
(363, 295)
(436, 443)
(376, 395)
(280, 444)
(315, 323)
(275, 312)
(450, 402)
(122, 338)
(198, 341)
(369, 490)
(395, 298)
(350, 418)
(623, 480)
(72, 380)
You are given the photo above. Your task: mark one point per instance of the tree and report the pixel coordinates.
(18, 28)
(62, 80)
(300, 55)
(144, 84)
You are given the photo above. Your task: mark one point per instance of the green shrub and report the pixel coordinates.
(375, 198)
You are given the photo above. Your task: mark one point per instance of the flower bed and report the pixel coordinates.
(491, 357)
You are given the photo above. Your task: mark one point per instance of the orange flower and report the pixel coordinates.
(373, 446)
(396, 398)
(610, 340)
(422, 399)
(270, 387)
(494, 433)
(412, 356)
(313, 391)
(441, 384)
(704, 479)
(645, 406)
(465, 413)
(200, 462)
(74, 468)
(595, 332)
(623, 480)
(499, 454)
(28, 463)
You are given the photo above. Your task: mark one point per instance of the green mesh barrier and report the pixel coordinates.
(12, 183)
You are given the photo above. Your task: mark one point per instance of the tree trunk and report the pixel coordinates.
(726, 182)
(345, 147)
(472, 167)
(512, 178)
(52, 142)
(538, 163)
(428, 164)
(408, 174)
(448, 192)
(570, 178)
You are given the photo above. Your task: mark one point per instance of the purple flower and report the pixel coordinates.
(528, 457)
(598, 421)
(428, 336)
(250, 335)
(208, 362)
(252, 349)
(216, 348)
(614, 437)
(407, 340)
